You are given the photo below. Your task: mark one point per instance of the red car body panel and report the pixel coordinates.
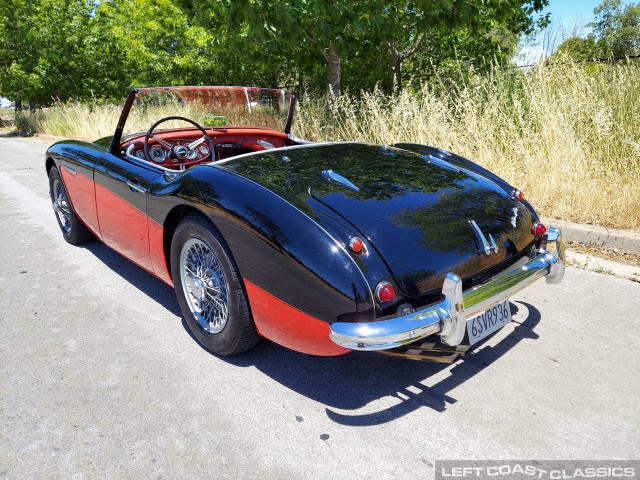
(83, 198)
(288, 326)
(124, 228)
(156, 251)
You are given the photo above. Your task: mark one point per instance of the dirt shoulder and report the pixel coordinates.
(610, 261)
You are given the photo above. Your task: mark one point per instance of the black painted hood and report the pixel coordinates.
(415, 211)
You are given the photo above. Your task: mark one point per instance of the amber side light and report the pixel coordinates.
(356, 245)
(517, 195)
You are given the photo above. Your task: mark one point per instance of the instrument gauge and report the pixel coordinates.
(204, 150)
(139, 154)
(157, 154)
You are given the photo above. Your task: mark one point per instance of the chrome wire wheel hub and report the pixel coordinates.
(204, 285)
(61, 205)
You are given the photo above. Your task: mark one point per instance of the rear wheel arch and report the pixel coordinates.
(49, 164)
(170, 224)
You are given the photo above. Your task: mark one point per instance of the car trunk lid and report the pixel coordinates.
(425, 217)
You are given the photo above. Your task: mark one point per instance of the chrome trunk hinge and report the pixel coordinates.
(336, 177)
(485, 246)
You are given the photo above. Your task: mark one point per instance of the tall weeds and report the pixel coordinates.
(567, 135)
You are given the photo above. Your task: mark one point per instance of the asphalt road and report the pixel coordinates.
(99, 377)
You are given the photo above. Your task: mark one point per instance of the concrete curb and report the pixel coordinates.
(603, 265)
(626, 240)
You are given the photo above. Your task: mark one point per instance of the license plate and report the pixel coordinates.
(489, 321)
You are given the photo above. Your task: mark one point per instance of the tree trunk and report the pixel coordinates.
(333, 60)
(32, 106)
(397, 73)
(17, 105)
(300, 83)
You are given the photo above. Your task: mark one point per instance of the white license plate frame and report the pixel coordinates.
(491, 320)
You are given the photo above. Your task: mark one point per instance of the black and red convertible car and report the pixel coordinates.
(324, 248)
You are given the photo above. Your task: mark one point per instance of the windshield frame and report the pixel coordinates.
(133, 94)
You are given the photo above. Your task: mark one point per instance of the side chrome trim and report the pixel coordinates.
(300, 141)
(449, 317)
(69, 169)
(440, 163)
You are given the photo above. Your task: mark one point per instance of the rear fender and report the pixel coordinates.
(299, 279)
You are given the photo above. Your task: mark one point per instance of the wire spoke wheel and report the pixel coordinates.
(205, 285)
(61, 205)
(73, 230)
(209, 288)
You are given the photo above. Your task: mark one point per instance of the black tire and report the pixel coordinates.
(201, 294)
(73, 230)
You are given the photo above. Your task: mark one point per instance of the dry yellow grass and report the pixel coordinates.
(569, 136)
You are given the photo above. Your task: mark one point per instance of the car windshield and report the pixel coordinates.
(209, 107)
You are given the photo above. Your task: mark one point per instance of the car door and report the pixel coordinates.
(121, 189)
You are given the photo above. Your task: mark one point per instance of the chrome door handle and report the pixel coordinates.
(135, 187)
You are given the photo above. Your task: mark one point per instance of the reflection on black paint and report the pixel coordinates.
(270, 228)
(379, 174)
(443, 223)
(414, 212)
(199, 189)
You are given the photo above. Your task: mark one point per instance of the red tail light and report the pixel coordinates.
(385, 292)
(538, 229)
(517, 195)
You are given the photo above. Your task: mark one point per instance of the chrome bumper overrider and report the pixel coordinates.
(449, 317)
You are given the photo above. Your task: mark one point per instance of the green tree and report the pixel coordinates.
(422, 28)
(298, 34)
(391, 31)
(157, 43)
(617, 30)
(615, 33)
(53, 50)
(577, 48)
(41, 49)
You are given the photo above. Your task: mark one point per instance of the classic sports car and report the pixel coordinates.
(324, 248)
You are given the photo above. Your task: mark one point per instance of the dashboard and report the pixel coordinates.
(226, 142)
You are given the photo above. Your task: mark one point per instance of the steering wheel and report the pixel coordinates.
(177, 152)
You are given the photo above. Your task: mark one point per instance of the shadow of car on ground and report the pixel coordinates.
(348, 382)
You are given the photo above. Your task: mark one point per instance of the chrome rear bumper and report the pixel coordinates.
(449, 317)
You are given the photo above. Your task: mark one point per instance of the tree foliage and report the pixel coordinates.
(617, 30)
(45, 49)
(82, 49)
(615, 33)
(577, 48)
